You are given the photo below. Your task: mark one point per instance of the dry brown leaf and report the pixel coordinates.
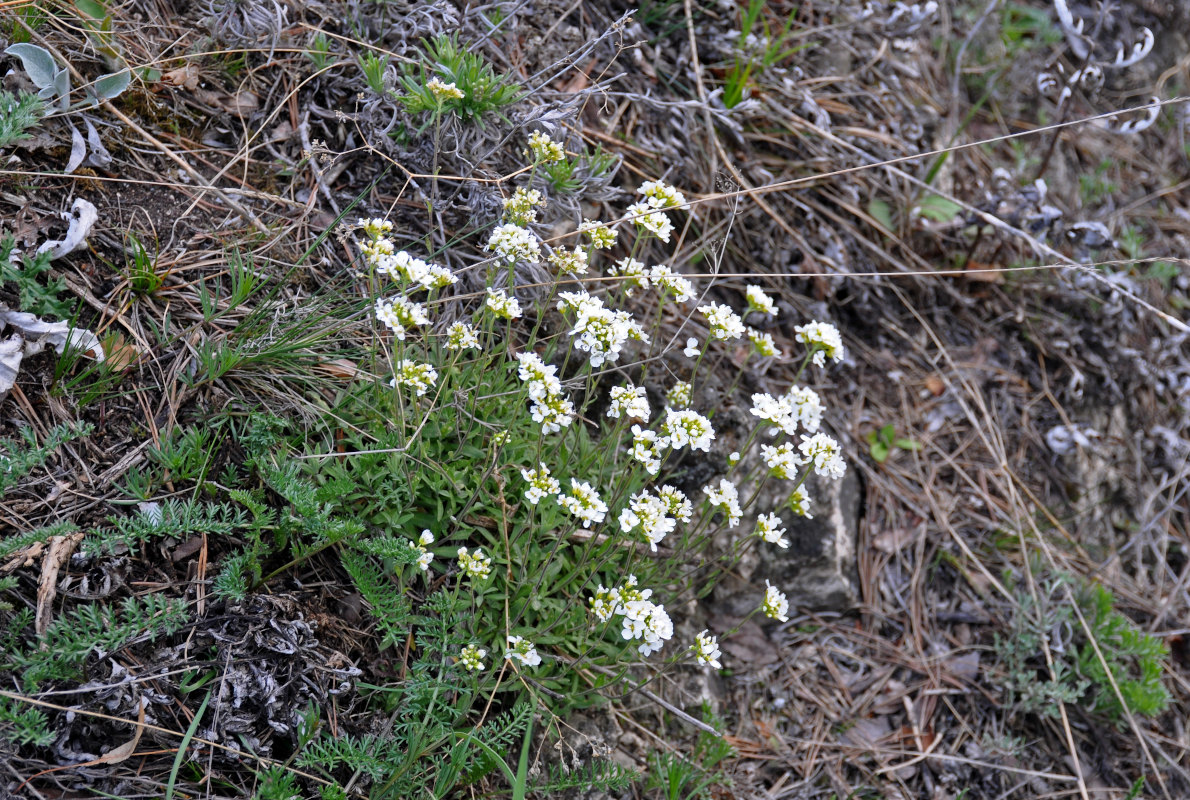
(935, 385)
(342, 368)
(185, 77)
(121, 353)
(121, 753)
(983, 273)
(892, 540)
(61, 548)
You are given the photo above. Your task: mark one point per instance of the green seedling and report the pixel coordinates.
(882, 443)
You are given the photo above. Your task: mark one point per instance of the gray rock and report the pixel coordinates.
(818, 570)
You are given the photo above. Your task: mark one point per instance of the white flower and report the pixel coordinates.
(543, 149)
(444, 91)
(475, 565)
(584, 503)
(460, 336)
(823, 340)
(775, 410)
(782, 461)
(605, 603)
(572, 261)
(648, 514)
(691, 350)
(635, 275)
(799, 503)
(553, 412)
(601, 236)
(424, 555)
(759, 301)
(768, 528)
(600, 331)
(541, 484)
(419, 377)
(676, 503)
(775, 606)
(376, 227)
(502, 305)
(521, 208)
(522, 650)
(645, 620)
(630, 401)
(471, 657)
(647, 219)
(514, 243)
(679, 395)
(669, 281)
(659, 194)
(763, 343)
(806, 407)
(541, 377)
(733, 459)
(727, 499)
(825, 454)
(706, 650)
(724, 323)
(688, 427)
(400, 314)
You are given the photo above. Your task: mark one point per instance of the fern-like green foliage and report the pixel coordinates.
(38, 293)
(18, 113)
(21, 724)
(1133, 656)
(444, 58)
(73, 636)
(20, 541)
(176, 518)
(19, 458)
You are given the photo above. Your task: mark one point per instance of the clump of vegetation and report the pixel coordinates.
(1082, 663)
(452, 79)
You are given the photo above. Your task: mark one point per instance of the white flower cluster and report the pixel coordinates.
(572, 261)
(471, 657)
(543, 149)
(475, 565)
(419, 377)
(643, 619)
(825, 454)
(768, 527)
(601, 236)
(521, 208)
(541, 484)
(726, 498)
(583, 502)
(648, 448)
(763, 342)
(775, 606)
(399, 315)
(648, 214)
(503, 306)
(824, 341)
(680, 288)
(781, 460)
(650, 514)
(680, 394)
(514, 243)
(444, 91)
(551, 408)
(686, 427)
(461, 336)
(724, 323)
(522, 650)
(421, 274)
(634, 273)
(629, 401)
(424, 556)
(759, 301)
(601, 332)
(706, 650)
(798, 406)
